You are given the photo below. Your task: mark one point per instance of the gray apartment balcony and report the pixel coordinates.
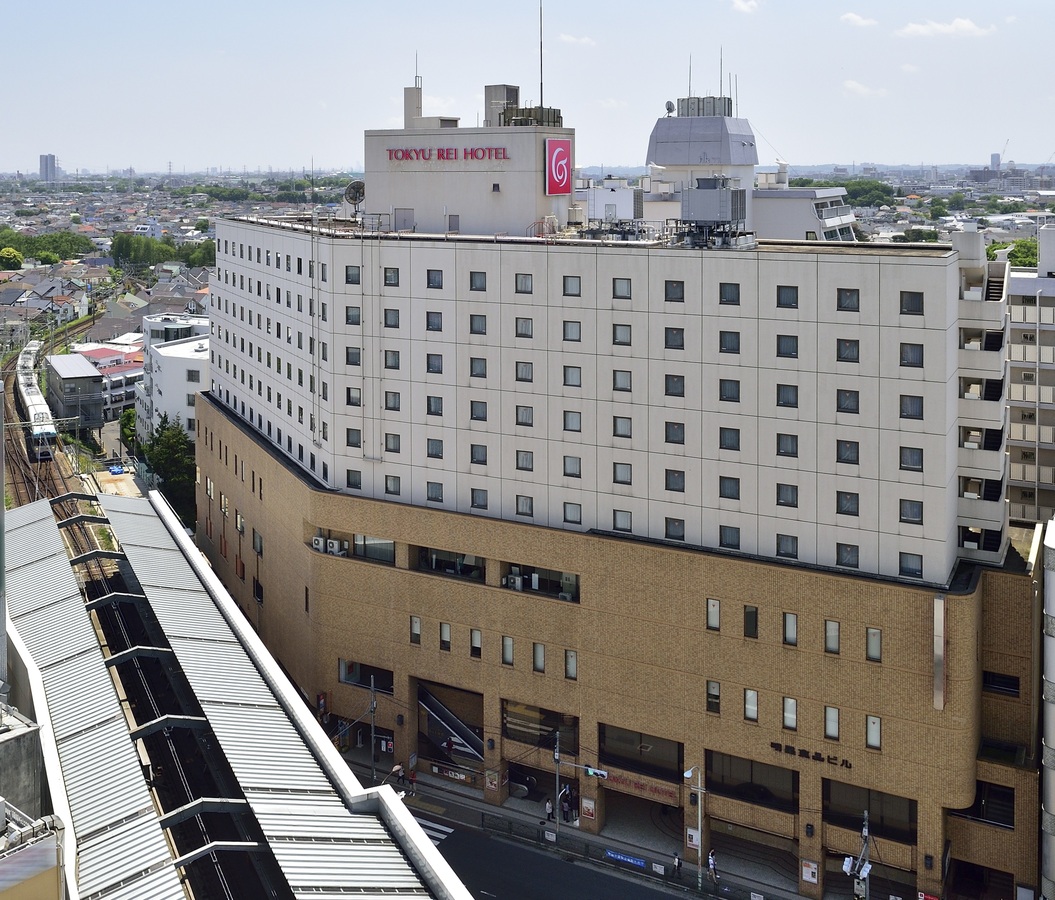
(982, 544)
(981, 401)
(982, 501)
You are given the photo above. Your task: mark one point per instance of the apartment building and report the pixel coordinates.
(176, 367)
(682, 497)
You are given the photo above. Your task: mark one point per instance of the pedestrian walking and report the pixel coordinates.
(565, 809)
(712, 867)
(549, 810)
(677, 865)
(401, 775)
(413, 782)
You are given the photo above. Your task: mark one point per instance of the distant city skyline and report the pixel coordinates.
(220, 87)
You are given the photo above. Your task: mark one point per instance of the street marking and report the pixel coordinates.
(434, 830)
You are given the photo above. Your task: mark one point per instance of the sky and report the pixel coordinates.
(284, 85)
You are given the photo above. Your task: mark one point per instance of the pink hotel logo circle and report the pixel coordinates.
(558, 166)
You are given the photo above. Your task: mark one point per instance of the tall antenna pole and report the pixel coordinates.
(721, 67)
(690, 75)
(540, 103)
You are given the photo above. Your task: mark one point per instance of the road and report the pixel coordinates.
(496, 869)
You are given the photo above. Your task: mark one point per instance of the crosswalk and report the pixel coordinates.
(434, 830)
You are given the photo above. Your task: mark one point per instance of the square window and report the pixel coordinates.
(391, 275)
(434, 363)
(728, 487)
(751, 621)
(787, 445)
(434, 278)
(848, 299)
(573, 466)
(538, 657)
(353, 479)
(507, 650)
(392, 485)
(478, 498)
(787, 495)
(787, 296)
(791, 713)
(729, 293)
(572, 421)
(525, 505)
(912, 356)
(353, 437)
(788, 346)
(847, 350)
(353, 396)
(434, 321)
(523, 283)
(434, 406)
(728, 438)
(910, 565)
(912, 303)
(674, 291)
(572, 331)
(477, 281)
(391, 318)
(728, 341)
(434, 448)
(622, 473)
(392, 400)
(874, 644)
(788, 546)
(621, 520)
(392, 442)
(912, 511)
(478, 454)
(524, 327)
(750, 705)
(621, 380)
(788, 395)
(847, 401)
(848, 555)
(621, 288)
(911, 406)
(674, 480)
(674, 385)
(351, 274)
(729, 537)
(847, 503)
(477, 367)
(911, 458)
(622, 426)
(714, 697)
(674, 529)
(353, 315)
(729, 390)
(573, 513)
(873, 732)
(831, 723)
(572, 376)
(674, 432)
(674, 338)
(714, 614)
(525, 371)
(525, 460)
(477, 323)
(353, 356)
(434, 491)
(391, 359)
(572, 286)
(478, 410)
(525, 415)
(848, 452)
(621, 335)
(791, 629)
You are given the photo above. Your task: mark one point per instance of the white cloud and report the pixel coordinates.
(854, 19)
(909, 68)
(955, 28)
(861, 90)
(745, 6)
(586, 41)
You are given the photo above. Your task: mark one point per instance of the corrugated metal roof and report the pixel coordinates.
(114, 822)
(322, 847)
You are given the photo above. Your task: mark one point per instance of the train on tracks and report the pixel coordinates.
(40, 425)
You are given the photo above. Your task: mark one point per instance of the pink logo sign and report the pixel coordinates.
(558, 166)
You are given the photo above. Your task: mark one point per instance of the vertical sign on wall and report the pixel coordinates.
(558, 166)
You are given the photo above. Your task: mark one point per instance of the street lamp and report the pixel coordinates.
(699, 823)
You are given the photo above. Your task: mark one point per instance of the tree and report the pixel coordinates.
(170, 454)
(201, 225)
(47, 257)
(938, 209)
(915, 236)
(10, 259)
(957, 201)
(1023, 252)
(128, 428)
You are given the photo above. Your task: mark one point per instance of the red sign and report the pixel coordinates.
(558, 166)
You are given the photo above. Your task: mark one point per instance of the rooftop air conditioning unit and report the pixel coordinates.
(970, 545)
(333, 547)
(319, 544)
(970, 445)
(967, 495)
(516, 582)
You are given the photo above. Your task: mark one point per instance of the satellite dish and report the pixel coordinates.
(355, 192)
(670, 107)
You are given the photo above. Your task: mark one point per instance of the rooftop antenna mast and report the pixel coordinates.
(690, 75)
(540, 103)
(721, 67)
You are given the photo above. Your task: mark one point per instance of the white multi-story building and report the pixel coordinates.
(176, 367)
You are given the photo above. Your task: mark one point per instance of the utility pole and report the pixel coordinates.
(861, 867)
(373, 731)
(556, 769)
